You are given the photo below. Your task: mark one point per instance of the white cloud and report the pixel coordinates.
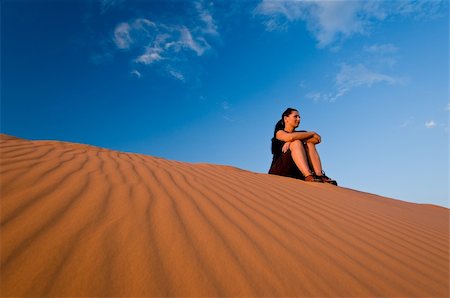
(170, 45)
(144, 24)
(177, 75)
(159, 43)
(122, 37)
(136, 73)
(356, 75)
(330, 21)
(381, 49)
(447, 108)
(198, 45)
(327, 20)
(406, 123)
(351, 76)
(384, 55)
(292, 10)
(377, 59)
(207, 19)
(316, 96)
(128, 34)
(227, 118)
(151, 55)
(430, 124)
(419, 9)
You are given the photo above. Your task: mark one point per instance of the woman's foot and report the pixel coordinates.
(313, 178)
(326, 179)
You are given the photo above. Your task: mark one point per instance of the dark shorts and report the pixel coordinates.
(284, 165)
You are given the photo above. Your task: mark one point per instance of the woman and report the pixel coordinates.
(294, 152)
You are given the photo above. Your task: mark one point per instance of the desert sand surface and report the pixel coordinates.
(83, 221)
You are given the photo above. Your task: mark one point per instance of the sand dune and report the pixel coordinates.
(78, 220)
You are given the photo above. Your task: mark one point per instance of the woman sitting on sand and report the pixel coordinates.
(294, 152)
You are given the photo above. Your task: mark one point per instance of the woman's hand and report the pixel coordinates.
(315, 139)
(286, 147)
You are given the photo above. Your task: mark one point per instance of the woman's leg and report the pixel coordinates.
(314, 158)
(299, 156)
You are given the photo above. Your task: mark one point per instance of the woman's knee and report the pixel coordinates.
(295, 144)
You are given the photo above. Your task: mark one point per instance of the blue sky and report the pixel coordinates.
(206, 81)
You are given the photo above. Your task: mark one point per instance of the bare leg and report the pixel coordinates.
(299, 156)
(314, 157)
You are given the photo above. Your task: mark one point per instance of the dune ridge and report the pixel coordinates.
(78, 220)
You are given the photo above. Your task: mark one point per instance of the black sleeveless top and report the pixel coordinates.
(277, 146)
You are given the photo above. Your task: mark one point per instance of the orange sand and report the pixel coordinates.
(78, 220)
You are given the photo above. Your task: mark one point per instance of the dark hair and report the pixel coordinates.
(280, 125)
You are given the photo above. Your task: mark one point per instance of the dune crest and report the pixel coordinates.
(78, 220)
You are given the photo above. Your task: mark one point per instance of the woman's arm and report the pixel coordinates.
(297, 135)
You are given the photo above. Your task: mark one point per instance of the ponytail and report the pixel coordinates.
(279, 126)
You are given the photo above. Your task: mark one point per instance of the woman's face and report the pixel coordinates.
(293, 119)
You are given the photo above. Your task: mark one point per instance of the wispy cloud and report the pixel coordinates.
(206, 17)
(176, 74)
(327, 20)
(158, 42)
(122, 37)
(430, 124)
(381, 49)
(136, 74)
(225, 105)
(384, 55)
(353, 76)
(406, 123)
(227, 118)
(151, 55)
(419, 10)
(106, 5)
(447, 108)
(152, 42)
(331, 21)
(199, 44)
(127, 35)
